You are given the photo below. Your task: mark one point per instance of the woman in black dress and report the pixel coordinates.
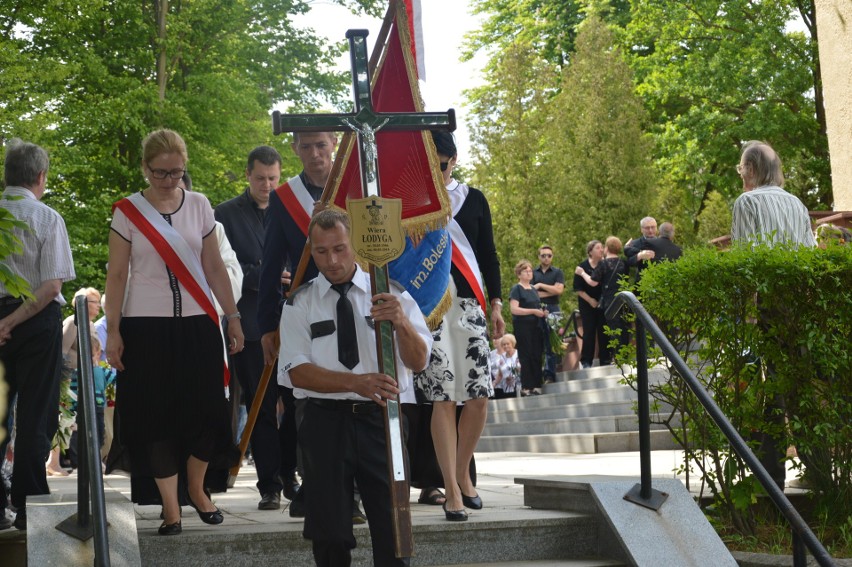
(608, 274)
(526, 311)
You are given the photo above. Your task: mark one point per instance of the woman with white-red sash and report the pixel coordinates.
(458, 371)
(164, 338)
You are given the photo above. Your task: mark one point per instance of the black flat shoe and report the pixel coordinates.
(472, 502)
(170, 529)
(214, 518)
(454, 515)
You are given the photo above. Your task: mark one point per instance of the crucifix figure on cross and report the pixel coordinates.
(363, 120)
(366, 122)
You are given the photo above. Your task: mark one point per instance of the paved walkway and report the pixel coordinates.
(502, 497)
(496, 485)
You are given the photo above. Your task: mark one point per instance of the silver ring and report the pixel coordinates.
(378, 395)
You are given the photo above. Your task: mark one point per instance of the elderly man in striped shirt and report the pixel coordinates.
(31, 328)
(765, 212)
(768, 214)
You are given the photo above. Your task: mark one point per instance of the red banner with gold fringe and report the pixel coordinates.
(408, 165)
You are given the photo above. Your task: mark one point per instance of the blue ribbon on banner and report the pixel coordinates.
(424, 271)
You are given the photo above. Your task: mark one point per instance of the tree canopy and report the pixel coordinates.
(563, 154)
(88, 80)
(711, 74)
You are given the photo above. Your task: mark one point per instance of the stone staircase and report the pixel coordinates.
(585, 411)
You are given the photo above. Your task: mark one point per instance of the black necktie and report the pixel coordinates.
(347, 340)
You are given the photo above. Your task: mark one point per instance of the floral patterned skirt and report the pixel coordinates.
(459, 364)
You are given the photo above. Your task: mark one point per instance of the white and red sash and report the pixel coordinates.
(175, 252)
(463, 255)
(298, 201)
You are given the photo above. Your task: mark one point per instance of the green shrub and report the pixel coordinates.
(756, 325)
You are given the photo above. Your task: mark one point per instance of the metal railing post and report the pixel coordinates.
(90, 483)
(644, 410)
(643, 493)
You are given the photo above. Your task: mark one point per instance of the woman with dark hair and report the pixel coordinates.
(458, 367)
(164, 338)
(588, 300)
(608, 275)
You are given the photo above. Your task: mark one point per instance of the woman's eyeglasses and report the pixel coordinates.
(163, 173)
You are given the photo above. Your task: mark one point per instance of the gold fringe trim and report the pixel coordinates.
(434, 319)
(417, 227)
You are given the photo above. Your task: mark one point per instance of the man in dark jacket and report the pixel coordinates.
(663, 247)
(244, 218)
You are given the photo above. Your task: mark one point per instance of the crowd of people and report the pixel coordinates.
(186, 312)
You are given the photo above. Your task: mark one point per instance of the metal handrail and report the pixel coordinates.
(90, 482)
(646, 496)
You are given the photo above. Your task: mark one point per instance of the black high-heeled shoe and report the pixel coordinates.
(214, 518)
(170, 529)
(454, 515)
(472, 502)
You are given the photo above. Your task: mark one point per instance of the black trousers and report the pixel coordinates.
(265, 443)
(287, 436)
(593, 334)
(530, 349)
(339, 446)
(33, 361)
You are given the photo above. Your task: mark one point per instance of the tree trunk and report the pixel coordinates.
(161, 60)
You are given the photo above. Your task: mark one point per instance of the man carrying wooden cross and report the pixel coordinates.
(343, 431)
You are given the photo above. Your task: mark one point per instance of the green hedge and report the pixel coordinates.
(761, 324)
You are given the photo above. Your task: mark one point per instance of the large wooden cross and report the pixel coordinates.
(365, 121)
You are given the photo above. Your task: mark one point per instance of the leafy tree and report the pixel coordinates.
(597, 155)
(506, 134)
(715, 219)
(715, 73)
(548, 26)
(711, 74)
(82, 79)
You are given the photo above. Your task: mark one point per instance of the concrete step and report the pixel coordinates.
(486, 538)
(552, 563)
(585, 411)
(634, 533)
(548, 399)
(501, 412)
(599, 377)
(594, 424)
(590, 443)
(580, 384)
(537, 408)
(594, 372)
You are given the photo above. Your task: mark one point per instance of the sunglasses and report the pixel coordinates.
(444, 165)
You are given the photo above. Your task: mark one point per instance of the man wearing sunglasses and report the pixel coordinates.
(550, 283)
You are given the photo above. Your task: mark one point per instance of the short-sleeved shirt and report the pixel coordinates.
(552, 276)
(772, 215)
(580, 284)
(153, 290)
(309, 334)
(46, 253)
(527, 299)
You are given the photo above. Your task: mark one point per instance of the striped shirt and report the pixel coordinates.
(46, 253)
(770, 214)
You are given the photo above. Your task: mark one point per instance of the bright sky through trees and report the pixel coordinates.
(444, 24)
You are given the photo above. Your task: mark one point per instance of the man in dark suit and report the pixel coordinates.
(637, 255)
(244, 218)
(663, 247)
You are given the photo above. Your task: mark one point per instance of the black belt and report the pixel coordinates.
(9, 300)
(353, 406)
